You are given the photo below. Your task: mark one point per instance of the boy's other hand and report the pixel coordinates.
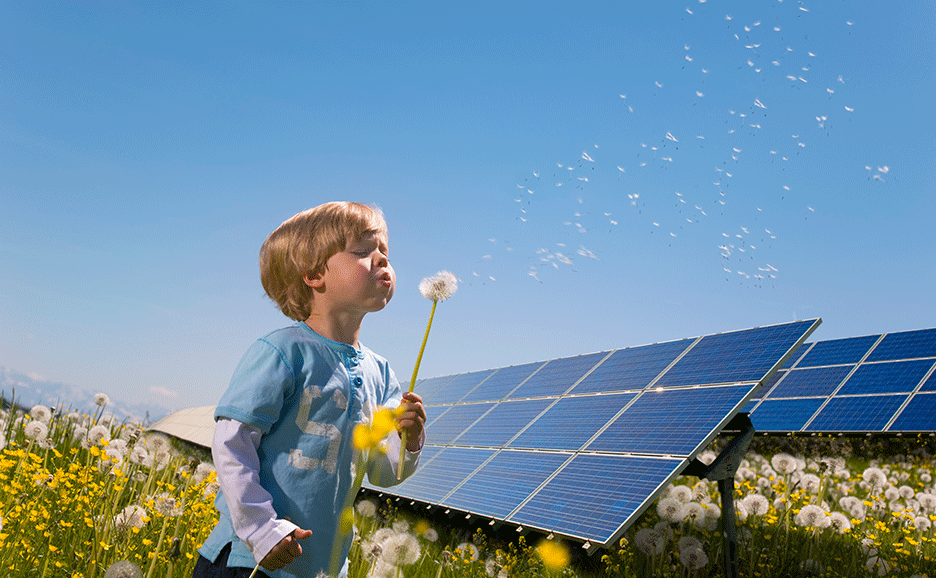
(285, 551)
(412, 419)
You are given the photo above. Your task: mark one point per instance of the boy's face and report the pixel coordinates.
(359, 278)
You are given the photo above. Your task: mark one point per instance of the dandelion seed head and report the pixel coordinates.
(467, 551)
(123, 569)
(366, 508)
(784, 463)
(812, 516)
(37, 430)
(757, 504)
(693, 558)
(41, 413)
(650, 541)
(672, 510)
(400, 549)
(439, 287)
(97, 434)
(101, 399)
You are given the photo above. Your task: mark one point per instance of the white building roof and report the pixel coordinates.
(195, 424)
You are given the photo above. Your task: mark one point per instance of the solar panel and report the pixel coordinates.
(869, 384)
(582, 445)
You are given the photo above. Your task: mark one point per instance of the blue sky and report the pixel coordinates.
(598, 175)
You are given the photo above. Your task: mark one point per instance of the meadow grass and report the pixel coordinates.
(85, 495)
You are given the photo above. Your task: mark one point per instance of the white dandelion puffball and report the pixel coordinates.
(37, 430)
(366, 508)
(784, 463)
(672, 510)
(812, 516)
(439, 287)
(757, 504)
(693, 558)
(467, 551)
(101, 399)
(98, 433)
(650, 541)
(131, 516)
(123, 569)
(400, 549)
(41, 413)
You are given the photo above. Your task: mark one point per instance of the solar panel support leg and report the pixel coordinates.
(723, 470)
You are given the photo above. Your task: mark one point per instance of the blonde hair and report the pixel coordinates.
(303, 243)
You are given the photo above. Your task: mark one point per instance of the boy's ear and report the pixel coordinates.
(314, 281)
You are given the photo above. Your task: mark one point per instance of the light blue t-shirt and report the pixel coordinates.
(305, 393)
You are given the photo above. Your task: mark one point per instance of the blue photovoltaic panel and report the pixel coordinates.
(458, 387)
(450, 424)
(905, 345)
(439, 476)
(784, 415)
(670, 422)
(504, 482)
(856, 414)
(810, 382)
(571, 422)
(797, 355)
(632, 368)
(425, 457)
(504, 380)
(918, 416)
(552, 450)
(426, 387)
(734, 357)
(930, 384)
(768, 384)
(557, 376)
(595, 496)
(838, 351)
(502, 423)
(889, 377)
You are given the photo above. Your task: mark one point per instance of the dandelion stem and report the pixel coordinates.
(412, 384)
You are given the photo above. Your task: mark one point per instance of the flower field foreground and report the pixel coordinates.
(83, 495)
(80, 492)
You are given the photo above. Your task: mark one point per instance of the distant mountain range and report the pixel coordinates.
(30, 391)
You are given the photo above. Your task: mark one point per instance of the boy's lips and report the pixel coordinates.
(385, 279)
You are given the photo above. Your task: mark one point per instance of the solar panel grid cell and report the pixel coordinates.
(905, 345)
(784, 415)
(856, 414)
(918, 416)
(669, 422)
(887, 377)
(594, 496)
(557, 376)
(501, 382)
(504, 482)
(444, 429)
(442, 474)
(458, 387)
(571, 422)
(502, 423)
(838, 351)
(733, 357)
(810, 382)
(632, 368)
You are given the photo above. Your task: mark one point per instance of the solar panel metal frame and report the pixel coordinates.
(663, 468)
(880, 353)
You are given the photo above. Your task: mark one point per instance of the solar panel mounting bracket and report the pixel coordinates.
(722, 470)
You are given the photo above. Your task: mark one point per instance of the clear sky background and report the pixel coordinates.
(598, 175)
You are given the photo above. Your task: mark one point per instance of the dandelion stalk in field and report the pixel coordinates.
(437, 288)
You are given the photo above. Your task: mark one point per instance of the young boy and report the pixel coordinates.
(283, 439)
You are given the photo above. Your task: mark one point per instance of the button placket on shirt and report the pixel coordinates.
(352, 362)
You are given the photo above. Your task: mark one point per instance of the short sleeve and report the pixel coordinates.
(263, 380)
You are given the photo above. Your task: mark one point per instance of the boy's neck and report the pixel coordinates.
(343, 331)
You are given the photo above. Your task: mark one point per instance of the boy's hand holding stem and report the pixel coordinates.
(284, 552)
(411, 419)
